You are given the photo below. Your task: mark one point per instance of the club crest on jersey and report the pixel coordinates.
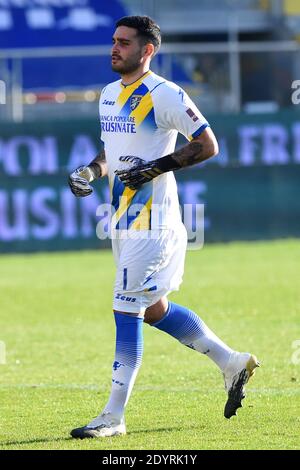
(134, 101)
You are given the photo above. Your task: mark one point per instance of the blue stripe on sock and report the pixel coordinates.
(181, 323)
(129, 341)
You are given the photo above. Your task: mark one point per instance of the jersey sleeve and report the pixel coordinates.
(174, 109)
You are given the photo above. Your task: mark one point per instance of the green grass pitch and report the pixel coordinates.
(58, 329)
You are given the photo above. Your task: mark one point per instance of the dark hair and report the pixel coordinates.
(147, 29)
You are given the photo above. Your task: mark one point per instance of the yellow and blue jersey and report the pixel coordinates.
(142, 120)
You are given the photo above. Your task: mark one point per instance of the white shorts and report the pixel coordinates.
(148, 269)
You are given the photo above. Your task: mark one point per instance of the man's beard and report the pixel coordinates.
(127, 66)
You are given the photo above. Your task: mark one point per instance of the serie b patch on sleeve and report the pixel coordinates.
(192, 115)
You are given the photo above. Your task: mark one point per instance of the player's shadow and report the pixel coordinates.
(170, 429)
(60, 439)
(35, 441)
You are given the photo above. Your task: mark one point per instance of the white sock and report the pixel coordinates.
(128, 358)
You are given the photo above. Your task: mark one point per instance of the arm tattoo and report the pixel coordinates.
(190, 154)
(100, 162)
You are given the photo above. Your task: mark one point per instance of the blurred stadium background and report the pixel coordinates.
(238, 60)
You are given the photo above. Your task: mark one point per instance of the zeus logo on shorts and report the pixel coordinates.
(124, 297)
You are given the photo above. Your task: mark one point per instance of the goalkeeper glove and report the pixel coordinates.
(80, 178)
(144, 172)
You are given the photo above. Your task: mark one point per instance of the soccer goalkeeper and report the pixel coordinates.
(141, 115)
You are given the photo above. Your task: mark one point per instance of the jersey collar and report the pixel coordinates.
(138, 80)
